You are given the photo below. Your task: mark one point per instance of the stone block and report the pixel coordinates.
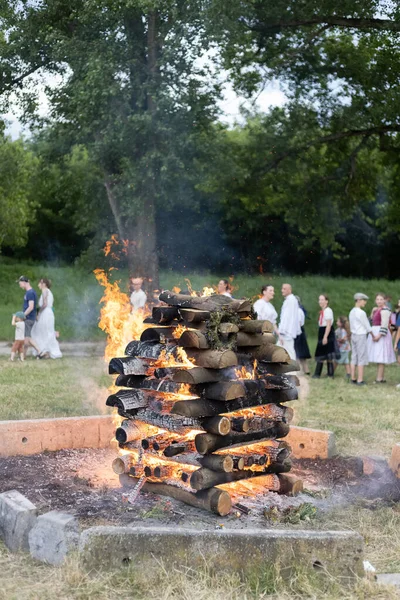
(245, 552)
(394, 461)
(54, 535)
(33, 436)
(17, 517)
(311, 443)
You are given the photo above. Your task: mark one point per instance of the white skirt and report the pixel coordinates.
(43, 333)
(382, 351)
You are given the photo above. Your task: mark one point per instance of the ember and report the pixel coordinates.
(203, 422)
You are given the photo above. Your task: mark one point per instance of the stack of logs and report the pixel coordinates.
(208, 416)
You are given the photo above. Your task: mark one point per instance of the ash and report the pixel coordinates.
(82, 482)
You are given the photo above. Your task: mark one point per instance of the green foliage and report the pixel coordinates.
(213, 335)
(17, 211)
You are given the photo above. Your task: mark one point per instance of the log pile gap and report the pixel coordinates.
(202, 396)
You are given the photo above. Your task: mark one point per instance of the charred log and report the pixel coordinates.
(207, 303)
(206, 443)
(204, 478)
(165, 314)
(128, 366)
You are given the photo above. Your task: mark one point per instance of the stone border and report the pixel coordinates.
(52, 536)
(33, 436)
(394, 461)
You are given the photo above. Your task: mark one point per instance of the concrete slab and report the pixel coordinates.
(394, 461)
(239, 551)
(33, 436)
(311, 443)
(54, 535)
(17, 517)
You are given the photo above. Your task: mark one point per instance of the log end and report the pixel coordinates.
(290, 485)
(224, 426)
(220, 502)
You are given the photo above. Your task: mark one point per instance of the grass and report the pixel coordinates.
(23, 579)
(77, 294)
(52, 388)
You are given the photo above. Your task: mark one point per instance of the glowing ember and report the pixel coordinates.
(243, 373)
(178, 331)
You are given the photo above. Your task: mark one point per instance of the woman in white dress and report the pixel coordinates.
(43, 331)
(380, 348)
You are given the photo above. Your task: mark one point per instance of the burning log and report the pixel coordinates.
(254, 326)
(127, 400)
(238, 462)
(217, 425)
(128, 366)
(176, 448)
(269, 352)
(212, 499)
(196, 375)
(128, 431)
(217, 462)
(274, 368)
(157, 385)
(205, 303)
(164, 314)
(224, 390)
(157, 334)
(213, 359)
(206, 443)
(147, 349)
(207, 408)
(193, 339)
(194, 316)
(205, 478)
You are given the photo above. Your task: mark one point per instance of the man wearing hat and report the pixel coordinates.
(29, 310)
(360, 328)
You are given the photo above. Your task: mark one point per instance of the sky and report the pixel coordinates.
(230, 107)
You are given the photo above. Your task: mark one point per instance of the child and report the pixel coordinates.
(360, 328)
(18, 321)
(342, 334)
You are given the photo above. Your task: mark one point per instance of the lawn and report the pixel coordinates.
(77, 294)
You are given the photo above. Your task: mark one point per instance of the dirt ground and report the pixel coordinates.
(82, 482)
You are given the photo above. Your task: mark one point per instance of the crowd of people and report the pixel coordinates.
(34, 324)
(356, 341)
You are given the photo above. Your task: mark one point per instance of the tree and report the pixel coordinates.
(16, 207)
(132, 94)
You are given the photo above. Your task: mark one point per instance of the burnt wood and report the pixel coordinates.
(207, 303)
(205, 478)
(164, 314)
(129, 366)
(206, 443)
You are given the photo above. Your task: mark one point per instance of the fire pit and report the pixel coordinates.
(202, 408)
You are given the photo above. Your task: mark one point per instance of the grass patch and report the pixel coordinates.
(364, 419)
(52, 388)
(24, 579)
(77, 294)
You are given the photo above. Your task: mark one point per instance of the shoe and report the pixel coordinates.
(316, 377)
(354, 381)
(308, 373)
(380, 381)
(361, 383)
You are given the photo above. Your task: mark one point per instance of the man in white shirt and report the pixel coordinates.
(360, 328)
(289, 326)
(138, 296)
(264, 309)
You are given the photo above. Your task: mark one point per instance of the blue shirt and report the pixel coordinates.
(30, 295)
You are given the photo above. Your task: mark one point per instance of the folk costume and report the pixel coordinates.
(381, 352)
(325, 352)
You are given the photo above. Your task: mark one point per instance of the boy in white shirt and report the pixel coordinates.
(138, 296)
(18, 321)
(360, 328)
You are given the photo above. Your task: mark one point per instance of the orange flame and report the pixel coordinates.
(178, 331)
(243, 373)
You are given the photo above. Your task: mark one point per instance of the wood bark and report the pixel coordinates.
(269, 352)
(228, 328)
(256, 326)
(182, 424)
(273, 368)
(213, 359)
(251, 339)
(207, 303)
(194, 315)
(157, 385)
(290, 485)
(127, 400)
(193, 339)
(164, 314)
(205, 478)
(146, 349)
(196, 375)
(203, 407)
(217, 462)
(128, 366)
(224, 390)
(206, 443)
(128, 431)
(212, 499)
(157, 334)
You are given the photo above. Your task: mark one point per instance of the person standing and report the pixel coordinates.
(43, 331)
(138, 296)
(300, 343)
(263, 308)
(359, 328)
(289, 326)
(380, 349)
(18, 321)
(29, 310)
(224, 288)
(342, 335)
(325, 350)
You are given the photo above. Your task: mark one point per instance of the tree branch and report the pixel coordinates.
(333, 137)
(330, 21)
(8, 85)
